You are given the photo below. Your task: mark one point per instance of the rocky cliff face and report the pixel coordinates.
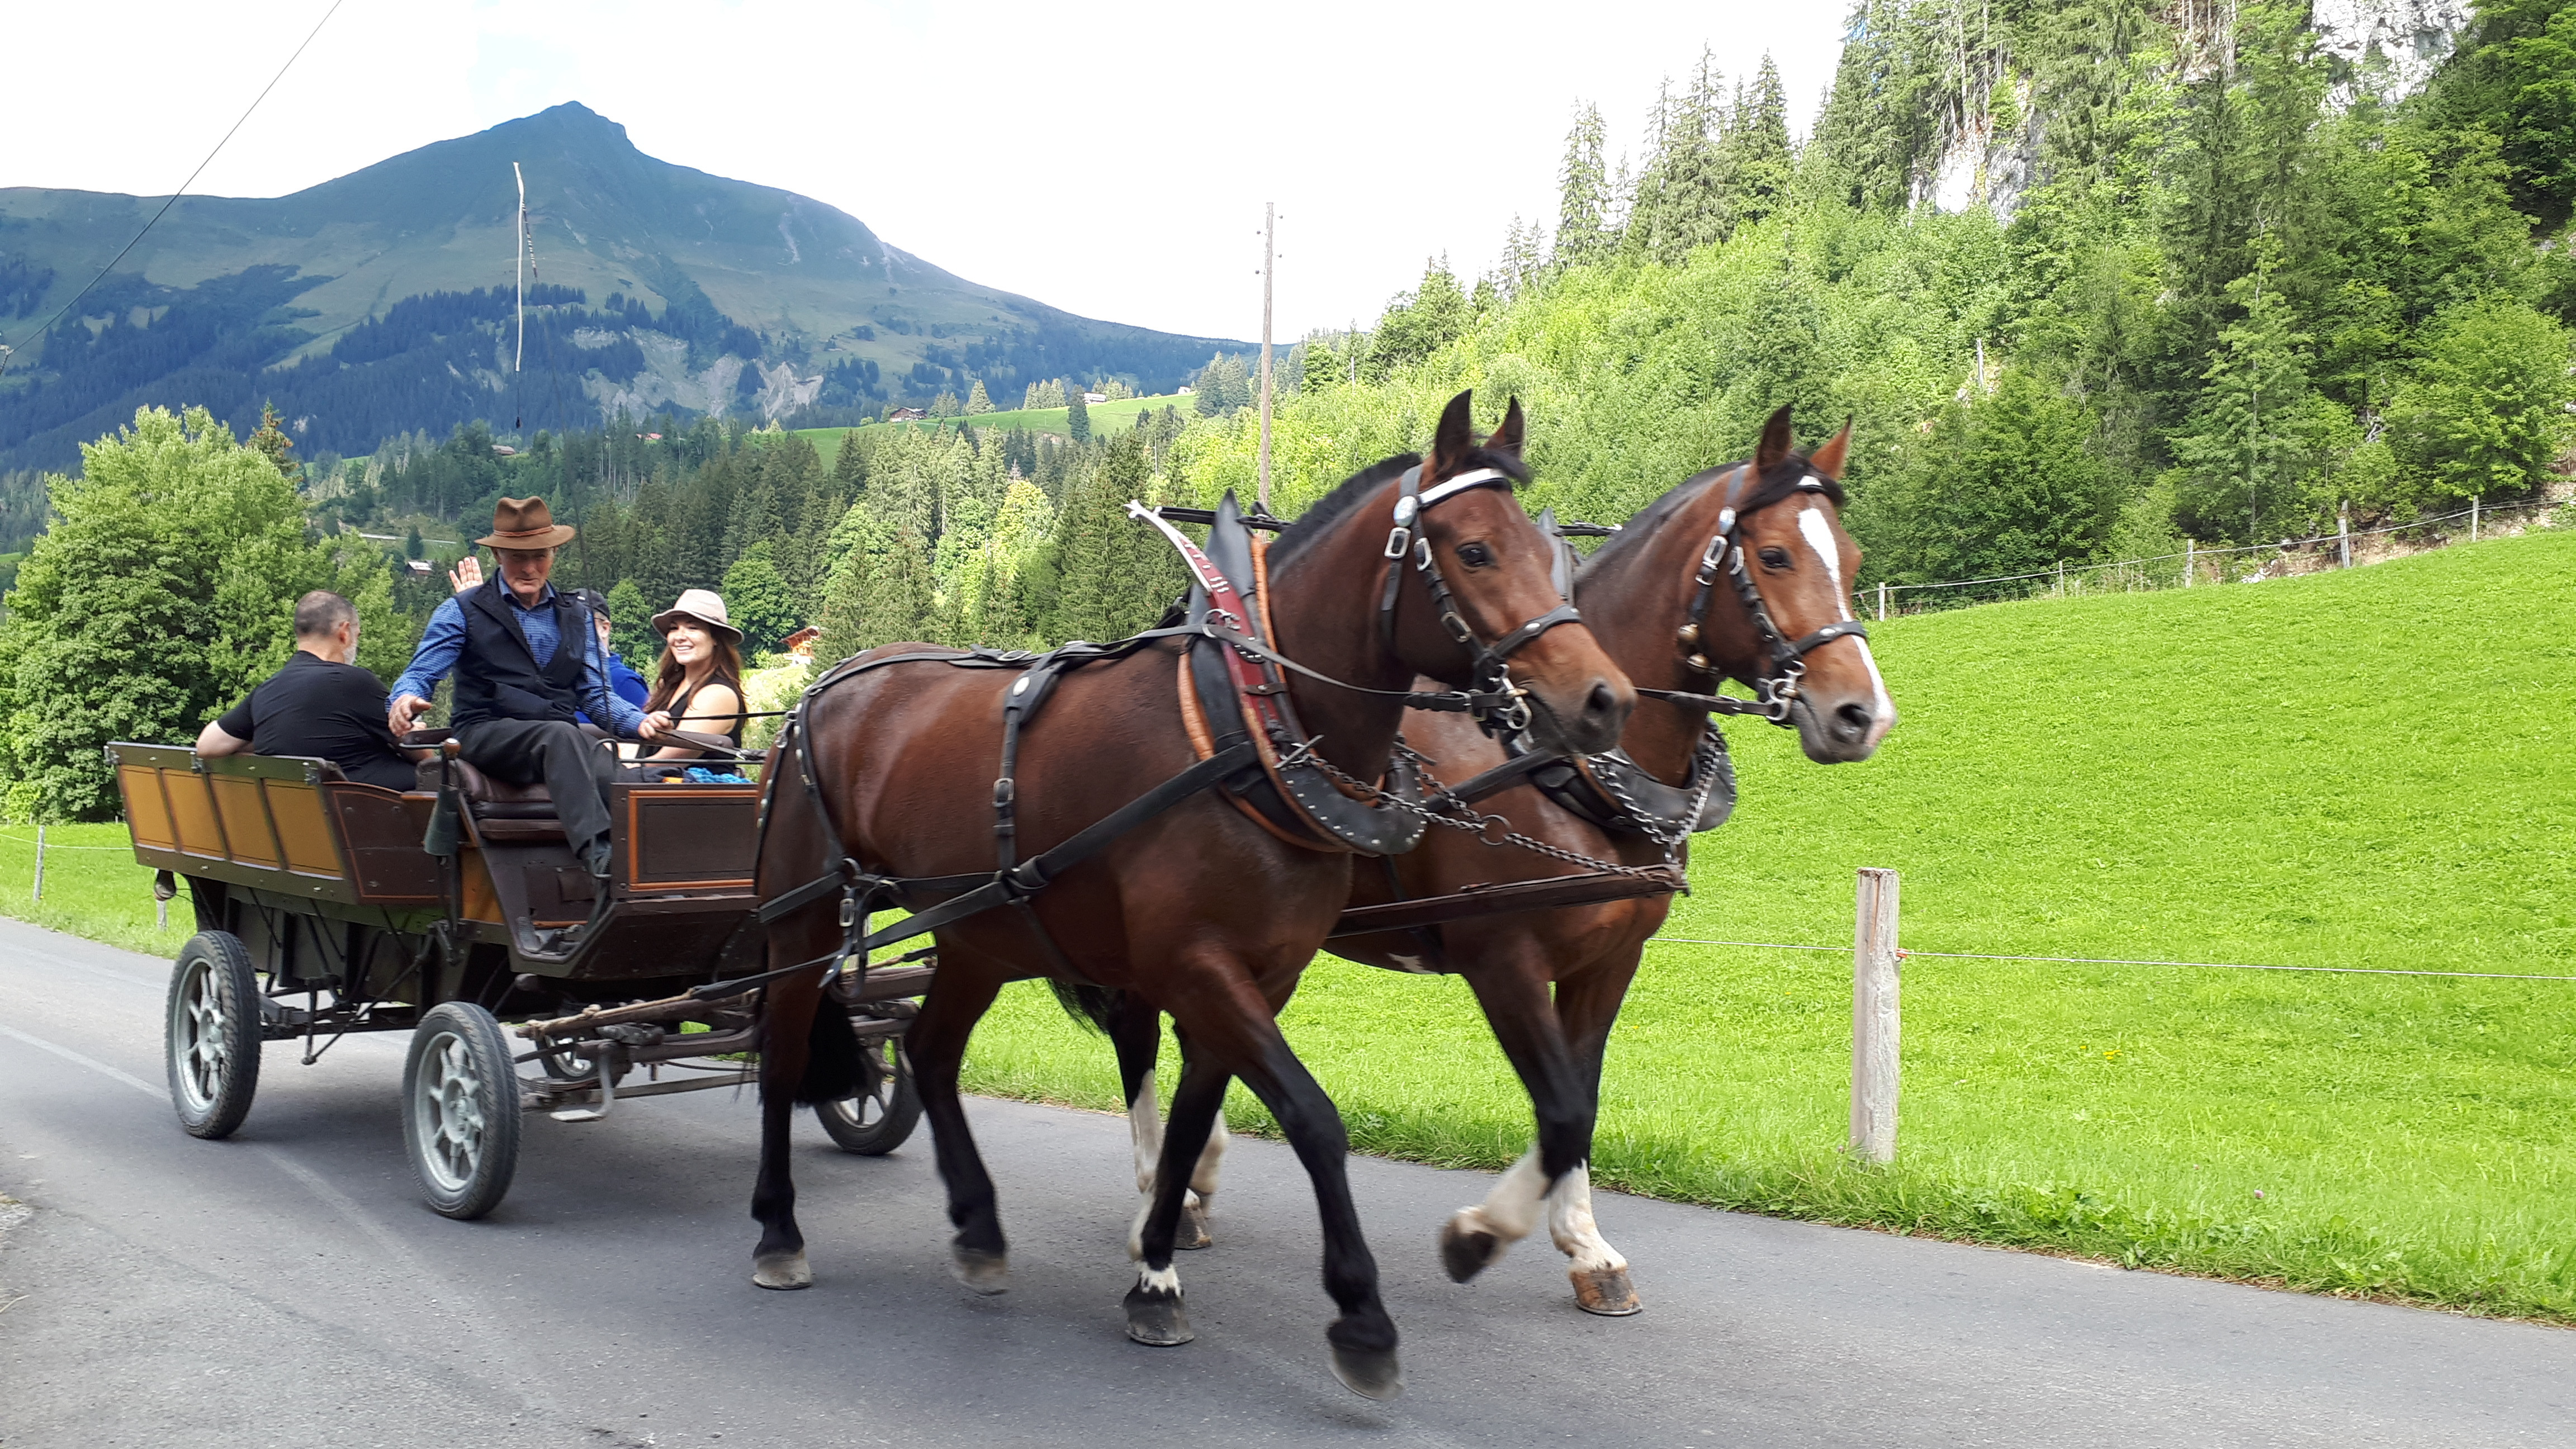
(2394, 45)
(2388, 47)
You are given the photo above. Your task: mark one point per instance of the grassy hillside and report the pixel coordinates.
(2358, 769)
(1105, 417)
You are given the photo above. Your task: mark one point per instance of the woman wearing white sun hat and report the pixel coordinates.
(699, 683)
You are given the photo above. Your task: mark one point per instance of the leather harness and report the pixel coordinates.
(1216, 623)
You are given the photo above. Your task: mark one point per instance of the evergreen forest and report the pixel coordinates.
(2088, 279)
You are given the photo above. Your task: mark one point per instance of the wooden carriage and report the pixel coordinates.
(320, 911)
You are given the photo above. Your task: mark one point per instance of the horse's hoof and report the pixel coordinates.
(1467, 1252)
(983, 1272)
(1369, 1373)
(1193, 1232)
(782, 1271)
(1154, 1317)
(1605, 1291)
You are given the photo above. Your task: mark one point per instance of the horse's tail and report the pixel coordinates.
(833, 1062)
(1095, 1007)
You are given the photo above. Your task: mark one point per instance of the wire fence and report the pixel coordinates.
(2242, 563)
(2118, 961)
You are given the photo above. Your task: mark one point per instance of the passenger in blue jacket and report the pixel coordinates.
(623, 682)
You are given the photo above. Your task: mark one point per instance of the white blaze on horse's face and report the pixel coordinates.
(1818, 531)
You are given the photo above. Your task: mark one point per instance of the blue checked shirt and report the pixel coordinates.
(444, 640)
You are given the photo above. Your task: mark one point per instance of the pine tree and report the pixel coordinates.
(1758, 165)
(1583, 199)
(978, 401)
(1692, 205)
(631, 627)
(272, 443)
(845, 609)
(1077, 418)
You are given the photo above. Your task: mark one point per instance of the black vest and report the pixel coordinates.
(497, 675)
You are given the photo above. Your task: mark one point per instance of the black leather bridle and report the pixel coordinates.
(1784, 658)
(1492, 661)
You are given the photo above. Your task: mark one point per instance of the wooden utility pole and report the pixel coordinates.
(1269, 254)
(1874, 1018)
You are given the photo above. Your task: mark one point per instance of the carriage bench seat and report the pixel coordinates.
(488, 798)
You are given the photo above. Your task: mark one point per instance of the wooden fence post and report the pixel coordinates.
(2186, 563)
(1882, 601)
(38, 893)
(2343, 537)
(2473, 518)
(1874, 1017)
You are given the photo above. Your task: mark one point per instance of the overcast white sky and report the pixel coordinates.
(1109, 160)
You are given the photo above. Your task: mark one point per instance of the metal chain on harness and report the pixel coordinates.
(1490, 830)
(1704, 761)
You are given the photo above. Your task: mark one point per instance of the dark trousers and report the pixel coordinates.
(576, 772)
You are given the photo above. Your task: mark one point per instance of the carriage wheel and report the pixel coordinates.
(213, 1034)
(461, 1109)
(885, 1109)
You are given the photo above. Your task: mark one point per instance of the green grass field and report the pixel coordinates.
(1105, 417)
(2358, 769)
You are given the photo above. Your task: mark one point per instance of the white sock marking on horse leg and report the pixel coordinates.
(1145, 1130)
(1159, 1280)
(1511, 1209)
(1570, 1225)
(1203, 1178)
(1819, 535)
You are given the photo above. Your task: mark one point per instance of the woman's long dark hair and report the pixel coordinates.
(672, 673)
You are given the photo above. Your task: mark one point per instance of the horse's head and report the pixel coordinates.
(1789, 562)
(1468, 538)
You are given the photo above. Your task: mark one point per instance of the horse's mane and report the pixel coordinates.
(1783, 479)
(1345, 496)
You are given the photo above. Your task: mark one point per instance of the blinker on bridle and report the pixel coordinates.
(1492, 661)
(1784, 657)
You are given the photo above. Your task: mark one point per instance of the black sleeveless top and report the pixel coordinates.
(679, 707)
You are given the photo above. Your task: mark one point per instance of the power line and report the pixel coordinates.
(9, 354)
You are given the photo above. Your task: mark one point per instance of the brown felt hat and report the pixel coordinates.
(525, 523)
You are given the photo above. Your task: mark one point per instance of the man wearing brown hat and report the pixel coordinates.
(527, 663)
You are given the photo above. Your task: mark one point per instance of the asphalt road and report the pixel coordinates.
(287, 1288)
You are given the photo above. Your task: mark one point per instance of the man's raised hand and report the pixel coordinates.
(467, 574)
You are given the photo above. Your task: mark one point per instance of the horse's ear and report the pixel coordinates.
(1828, 459)
(1775, 444)
(1507, 438)
(1451, 440)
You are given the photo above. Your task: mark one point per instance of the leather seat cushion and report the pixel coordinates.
(483, 789)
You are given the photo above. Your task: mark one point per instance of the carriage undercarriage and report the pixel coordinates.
(320, 914)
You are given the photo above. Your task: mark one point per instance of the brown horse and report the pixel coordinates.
(1203, 910)
(1661, 592)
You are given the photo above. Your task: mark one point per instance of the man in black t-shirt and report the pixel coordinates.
(320, 705)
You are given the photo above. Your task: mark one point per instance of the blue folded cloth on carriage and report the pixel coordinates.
(701, 775)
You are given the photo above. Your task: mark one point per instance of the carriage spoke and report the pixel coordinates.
(451, 1102)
